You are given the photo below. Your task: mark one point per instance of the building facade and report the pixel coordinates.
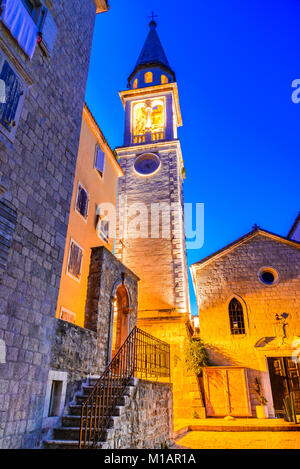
(41, 110)
(248, 300)
(150, 236)
(92, 217)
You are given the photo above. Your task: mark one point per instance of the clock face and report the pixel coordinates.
(147, 164)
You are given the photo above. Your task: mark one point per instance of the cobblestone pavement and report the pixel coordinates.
(239, 440)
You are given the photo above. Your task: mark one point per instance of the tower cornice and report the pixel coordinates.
(151, 90)
(132, 150)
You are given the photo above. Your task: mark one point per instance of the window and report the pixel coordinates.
(149, 116)
(11, 98)
(102, 225)
(148, 77)
(99, 160)
(236, 317)
(55, 398)
(164, 79)
(135, 83)
(82, 201)
(19, 18)
(8, 220)
(75, 260)
(67, 315)
(268, 276)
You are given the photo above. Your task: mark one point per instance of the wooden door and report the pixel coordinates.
(226, 392)
(285, 378)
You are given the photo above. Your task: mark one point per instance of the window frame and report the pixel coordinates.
(72, 241)
(65, 310)
(241, 319)
(101, 234)
(100, 173)
(85, 219)
(4, 131)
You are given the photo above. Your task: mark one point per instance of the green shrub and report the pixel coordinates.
(196, 356)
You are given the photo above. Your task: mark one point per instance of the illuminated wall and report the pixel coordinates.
(72, 293)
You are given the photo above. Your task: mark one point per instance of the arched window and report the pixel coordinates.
(236, 316)
(164, 79)
(135, 83)
(148, 77)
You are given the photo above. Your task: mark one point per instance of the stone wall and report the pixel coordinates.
(75, 351)
(107, 273)
(146, 421)
(83, 352)
(38, 171)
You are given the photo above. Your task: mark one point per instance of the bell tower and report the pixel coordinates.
(150, 237)
(153, 182)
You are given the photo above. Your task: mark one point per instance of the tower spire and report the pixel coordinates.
(152, 58)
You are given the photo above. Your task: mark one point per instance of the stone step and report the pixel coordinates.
(80, 399)
(86, 390)
(71, 433)
(74, 421)
(75, 409)
(93, 381)
(64, 444)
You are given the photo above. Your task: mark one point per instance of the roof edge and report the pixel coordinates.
(294, 226)
(88, 114)
(241, 240)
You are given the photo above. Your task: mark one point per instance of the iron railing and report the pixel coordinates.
(142, 356)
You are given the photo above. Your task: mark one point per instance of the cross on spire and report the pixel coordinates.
(153, 16)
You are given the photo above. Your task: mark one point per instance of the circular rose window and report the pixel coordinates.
(147, 164)
(268, 276)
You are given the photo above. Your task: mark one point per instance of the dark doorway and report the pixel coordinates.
(285, 378)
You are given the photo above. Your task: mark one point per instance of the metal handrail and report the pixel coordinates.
(142, 356)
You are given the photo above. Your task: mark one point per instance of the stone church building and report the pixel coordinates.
(249, 291)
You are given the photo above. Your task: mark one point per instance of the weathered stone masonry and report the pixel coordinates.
(83, 352)
(38, 170)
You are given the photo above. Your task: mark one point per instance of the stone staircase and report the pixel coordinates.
(66, 436)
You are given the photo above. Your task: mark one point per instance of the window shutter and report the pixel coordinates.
(99, 160)
(12, 92)
(82, 201)
(48, 30)
(8, 220)
(74, 266)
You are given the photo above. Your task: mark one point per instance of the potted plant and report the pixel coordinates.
(262, 409)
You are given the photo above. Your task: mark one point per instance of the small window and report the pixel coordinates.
(102, 226)
(164, 79)
(135, 83)
(82, 201)
(75, 260)
(148, 77)
(236, 316)
(268, 276)
(55, 398)
(99, 160)
(8, 221)
(11, 92)
(67, 315)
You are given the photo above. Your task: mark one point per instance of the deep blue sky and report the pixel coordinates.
(234, 62)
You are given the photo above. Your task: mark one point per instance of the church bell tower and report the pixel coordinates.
(150, 237)
(153, 183)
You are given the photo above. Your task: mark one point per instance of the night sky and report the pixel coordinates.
(235, 62)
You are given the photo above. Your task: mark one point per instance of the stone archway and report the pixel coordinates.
(121, 319)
